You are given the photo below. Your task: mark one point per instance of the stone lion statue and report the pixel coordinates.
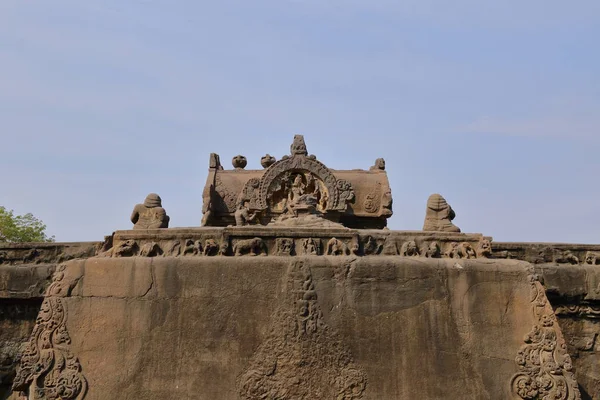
(252, 247)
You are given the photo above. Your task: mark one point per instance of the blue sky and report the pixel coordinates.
(496, 105)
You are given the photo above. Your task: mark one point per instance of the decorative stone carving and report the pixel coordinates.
(151, 249)
(301, 357)
(484, 248)
(461, 250)
(439, 215)
(173, 249)
(267, 160)
(128, 248)
(251, 247)
(566, 257)
(390, 247)
(310, 247)
(410, 249)
(284, 247)
(336, 247)
(592, 258)
(379, 165)
(193, 248)
(215, 161)
(290, 178)
(150, 215)
(239, 162)
(433, 251)
(371, 247)
(211, 247)
(386, 203)
(544, 364)
(579, 310)
(243, 216)
(48, 369)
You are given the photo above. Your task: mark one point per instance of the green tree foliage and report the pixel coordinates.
(21, 228)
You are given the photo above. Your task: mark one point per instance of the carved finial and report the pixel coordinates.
(439, 215)
(239, 162)
(379, 165)
(215, 161)
(298, 146)
(267, 160)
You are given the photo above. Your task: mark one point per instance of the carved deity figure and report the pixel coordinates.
(439, 215)
(310, 247)
(336, 247)
(243, 216)
(484, 249)
(433, 251)
(150, 215)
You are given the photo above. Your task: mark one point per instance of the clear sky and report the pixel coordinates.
(494, 104)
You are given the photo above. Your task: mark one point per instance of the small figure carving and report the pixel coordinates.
(386, 203)
(192, 248)
(379, 165)
(566, 257)
(174, 249)
(439, 215)
(592, 258)
(150, 215)
(336, 247)
(310, 247)
(151, 249)
(410, 249)
(284, 247)
(252, 247)
(433, 251)
(127, 248)
(484, 249)
(211, 247)
(239, 162)
(462, 250)
(371, 246)
(267, 160)
(243, 216)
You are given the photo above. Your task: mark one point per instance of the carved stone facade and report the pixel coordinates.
(296, 184)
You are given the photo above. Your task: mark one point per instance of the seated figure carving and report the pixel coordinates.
(150, 214)
(439, 215)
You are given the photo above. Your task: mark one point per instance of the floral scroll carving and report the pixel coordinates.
(545, 367)
(48, 369)
(302, 357)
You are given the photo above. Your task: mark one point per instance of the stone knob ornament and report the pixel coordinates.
(267, 160)
(239, 162)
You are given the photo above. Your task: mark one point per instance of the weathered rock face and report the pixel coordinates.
(382, 327)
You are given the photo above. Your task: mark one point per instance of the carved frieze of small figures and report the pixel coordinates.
(379, 165)
(173, 249)
(439, 215)
(251, 247)
(484, 248)
(310, 247)
(433, 250)
(410, 249)
(150, 214)
(239, 162)
(390, 247)
(284, 247)
(592, 258)
(267, 160)
(211, 247)
(336, 247)
(566, 257)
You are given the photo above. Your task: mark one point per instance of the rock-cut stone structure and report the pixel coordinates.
(294, 288)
